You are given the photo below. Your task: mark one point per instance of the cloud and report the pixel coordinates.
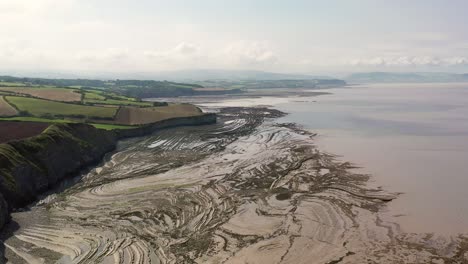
(457, 61)
(181, 51)
(250, 53)
(409, 61)
(185, 48)
(31, 7)
(109, 55)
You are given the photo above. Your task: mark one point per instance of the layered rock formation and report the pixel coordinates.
(245, 190)
(32, 166)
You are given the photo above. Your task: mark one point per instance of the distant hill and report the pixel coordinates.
(248, 79)
(189, 82)
(202, 75)
(132, 88)
(274, 84)
(391, 77)
(188, 75)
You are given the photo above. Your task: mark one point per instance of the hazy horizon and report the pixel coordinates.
(308, 37)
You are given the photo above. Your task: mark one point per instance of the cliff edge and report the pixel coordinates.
(32, 166)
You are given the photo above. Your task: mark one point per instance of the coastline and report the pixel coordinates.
(34, 165)
(248, 189)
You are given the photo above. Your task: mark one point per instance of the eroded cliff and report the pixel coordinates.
(32, 166)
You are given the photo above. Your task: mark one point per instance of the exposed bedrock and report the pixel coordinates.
(239, 191)
(32, 166)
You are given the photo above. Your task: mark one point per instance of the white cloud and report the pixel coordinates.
(185, 48)
(409, 61)
(251, 53)
(107, 56)
(181, 51)
(94, 35)
(457, 61)
(33, 7)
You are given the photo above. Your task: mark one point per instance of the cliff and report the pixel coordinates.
(32, 166)
(167, 123)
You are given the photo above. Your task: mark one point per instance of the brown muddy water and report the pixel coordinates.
(412, 138)
(254, 188)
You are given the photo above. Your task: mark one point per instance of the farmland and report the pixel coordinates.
(17, 130)
(6, 109)
(41, 108)
(117, 102)
(50, 93)
(129, 88)
(93, 96)
(109, 105)
(137, 116)
(96, 97)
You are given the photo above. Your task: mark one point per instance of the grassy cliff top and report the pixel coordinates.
(97, 102)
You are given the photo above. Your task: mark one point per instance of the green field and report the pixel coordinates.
(110, 126)
(54, 121)
(39, 107)
(11, 84)
(117, 102)
(34, 119)
(93, 96)
(91, 101)
(5, 93)
(109, 98)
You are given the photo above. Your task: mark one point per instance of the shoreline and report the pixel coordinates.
(423, 155)
(247, 181)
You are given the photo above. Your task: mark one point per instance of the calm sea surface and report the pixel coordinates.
(413, 139)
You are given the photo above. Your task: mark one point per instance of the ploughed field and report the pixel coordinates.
(50, 93)
(6, 109)
(18, 130)
(246, 190)
(138, 115)
(103, 108)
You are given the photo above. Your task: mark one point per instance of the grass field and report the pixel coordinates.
(121, 97)
(110, 126)
(107, 98)
(11, 84)
(106, 105)
(139, 116)
(93, 96)
(50, 93)
(6, 109)
(118, 102)
(35, 119)
(28, 119)
(39, 107)
(6, 93)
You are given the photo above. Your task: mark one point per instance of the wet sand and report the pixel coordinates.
(246, 190)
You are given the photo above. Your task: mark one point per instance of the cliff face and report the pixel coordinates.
(31, 166)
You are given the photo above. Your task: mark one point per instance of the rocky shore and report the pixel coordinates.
(243, 190)
(32, 166)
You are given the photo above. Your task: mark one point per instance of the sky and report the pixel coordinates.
(289, 36)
